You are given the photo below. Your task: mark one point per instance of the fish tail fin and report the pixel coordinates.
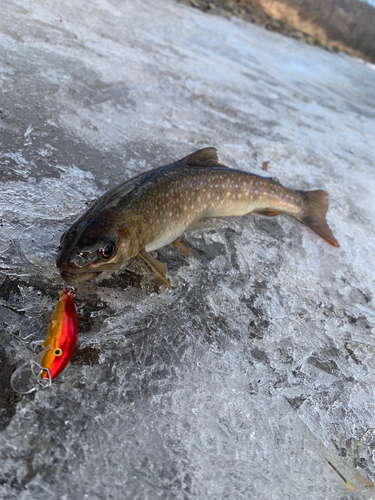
(315, 215)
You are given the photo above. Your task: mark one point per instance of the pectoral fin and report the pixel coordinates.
(182, 248)
(158, 267)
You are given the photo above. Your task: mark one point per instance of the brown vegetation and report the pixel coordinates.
(347, 25)
(350, 22)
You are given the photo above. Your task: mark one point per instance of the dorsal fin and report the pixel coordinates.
(206, 157)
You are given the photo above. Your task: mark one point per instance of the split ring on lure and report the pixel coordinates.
(27, 375)
(59, 345)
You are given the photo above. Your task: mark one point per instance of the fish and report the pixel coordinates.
(61, 339)
(154, 208)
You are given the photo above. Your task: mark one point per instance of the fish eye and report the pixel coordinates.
(57, 352)
(107, 250)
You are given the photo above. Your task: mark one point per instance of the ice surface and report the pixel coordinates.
(256, 371)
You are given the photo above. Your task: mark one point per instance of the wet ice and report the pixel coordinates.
(259, 362)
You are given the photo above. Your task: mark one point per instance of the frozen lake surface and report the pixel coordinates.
(254, 376)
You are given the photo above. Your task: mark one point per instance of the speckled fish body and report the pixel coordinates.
(191, 194)
(154, 208)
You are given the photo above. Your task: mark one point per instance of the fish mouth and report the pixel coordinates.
(75, 277)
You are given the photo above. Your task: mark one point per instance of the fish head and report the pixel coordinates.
(61, 340)
(93, 247)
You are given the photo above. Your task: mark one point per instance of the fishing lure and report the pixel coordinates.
(61, 340)
(59, 348)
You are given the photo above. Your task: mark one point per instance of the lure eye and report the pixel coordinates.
(57, 352)
(107, 251)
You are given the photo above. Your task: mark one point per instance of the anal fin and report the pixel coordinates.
(158, 267)
(267, 212)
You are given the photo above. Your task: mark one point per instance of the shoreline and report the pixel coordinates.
(230, 8)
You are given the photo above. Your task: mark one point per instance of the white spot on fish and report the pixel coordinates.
(157, 221)
(239, 196)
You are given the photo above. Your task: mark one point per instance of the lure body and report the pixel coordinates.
(61, 340)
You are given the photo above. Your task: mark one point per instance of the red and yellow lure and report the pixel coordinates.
(61, 338)
(58, 349)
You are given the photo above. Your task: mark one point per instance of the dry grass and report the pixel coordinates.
(346, 24)
(290, 15)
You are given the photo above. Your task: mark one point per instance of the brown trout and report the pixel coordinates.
(154, 208)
